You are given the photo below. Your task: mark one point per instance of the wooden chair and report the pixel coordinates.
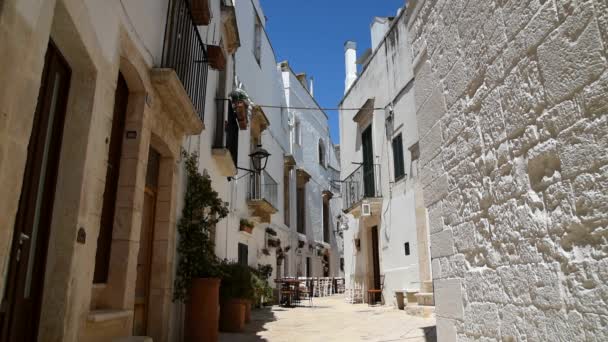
(306, 290)
(372, 294)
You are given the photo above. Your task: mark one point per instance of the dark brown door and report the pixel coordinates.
(20, 308)
(146, 243)
(376, 260)
(369, 184)
(106, 226)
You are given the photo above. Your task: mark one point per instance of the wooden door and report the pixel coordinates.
(20, 307)
(146, 242)
(376, 259)
(369, 184)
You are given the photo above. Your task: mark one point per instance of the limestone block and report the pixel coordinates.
(465, 237)
(522, 97)
(426, 82)
(521, 323)
(454, 266)
(435, 213)
(517, 282)
(492, 120)
(449, 298)
(455, 121)
(527, 140)
(569, 62)
(431, 111)
(446, 54)
(561, 117)
(455, 83)
(468, 143)
(560, 204)
(582, 147)
(591, 198)
(431, 171)
(442, 244)
(544, 165)
(465, 175)
(436, 191)
(533, 34)
(596, 101)
(518, 13)
(482, 319)
(485, 286)
(601, 14)
(446, 330)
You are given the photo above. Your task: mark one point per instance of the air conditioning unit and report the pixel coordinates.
(366, 209)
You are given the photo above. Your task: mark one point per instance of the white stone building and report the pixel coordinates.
(386, 243)
(317, 204)
(514, 160)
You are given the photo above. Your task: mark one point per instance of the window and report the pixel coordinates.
(398, 161)
(301, 197)
(257, 39)
(407, 248)
(243, 254)
(321, 153)
(286, 195)
(297, 133)
(342, 264)
(326, 220)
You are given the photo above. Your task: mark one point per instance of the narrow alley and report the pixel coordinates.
(332, 319)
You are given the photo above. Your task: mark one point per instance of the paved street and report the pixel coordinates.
(331, 319)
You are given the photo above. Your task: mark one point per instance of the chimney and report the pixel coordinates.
(350, 57)
(379, 27)
(311, 89)
(302, 78)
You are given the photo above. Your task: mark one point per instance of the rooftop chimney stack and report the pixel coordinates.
(311, 89)
(350, 57)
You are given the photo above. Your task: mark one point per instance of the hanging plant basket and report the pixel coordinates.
(301, 244)
(201, 15)
(274, 243)
(265, 251)
(287, 249)
(246, 226)
(240, 104)
(271, 231)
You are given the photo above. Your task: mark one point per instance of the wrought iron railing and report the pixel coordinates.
(227, 129)
(185, 52)
(363, 183)
(263, 187)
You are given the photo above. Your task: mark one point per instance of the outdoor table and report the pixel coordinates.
(288, 283)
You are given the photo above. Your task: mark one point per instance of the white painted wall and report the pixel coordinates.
(384, 79)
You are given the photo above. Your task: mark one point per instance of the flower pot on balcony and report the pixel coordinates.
(201, 15)
(202, 310)
(232, 315)
(246, 226)
(216, 57)
(241, 107)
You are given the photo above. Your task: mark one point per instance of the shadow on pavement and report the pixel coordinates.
(259, 318)
(430, 334)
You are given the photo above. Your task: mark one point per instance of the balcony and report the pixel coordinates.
(362, 186)
(262, 197)
(184, 61)
(226, 141)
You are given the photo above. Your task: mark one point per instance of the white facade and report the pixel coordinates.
(384, 88)
(314, 153)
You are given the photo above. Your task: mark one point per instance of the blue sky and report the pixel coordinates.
(311, 35)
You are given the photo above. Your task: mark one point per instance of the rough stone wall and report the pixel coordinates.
(512, 102)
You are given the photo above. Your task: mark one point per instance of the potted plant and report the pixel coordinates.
(246, 226)
(287, 249)
(265, 251)
(240, 103)
(301, 244)
(236, 293)
(198, 273)
(271, 231)
(274, 243)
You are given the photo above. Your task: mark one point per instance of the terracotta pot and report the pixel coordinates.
(232, 316)
(247, 310)
(201, 15)
(202, 311)
(247, 229)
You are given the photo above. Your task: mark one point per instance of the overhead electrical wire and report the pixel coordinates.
(310, 108)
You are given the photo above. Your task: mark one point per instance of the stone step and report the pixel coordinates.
(410, 296)
(427, 286)
(425, 298)
(420, 311)
(133, 339)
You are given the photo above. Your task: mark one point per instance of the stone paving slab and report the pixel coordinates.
(332, 320)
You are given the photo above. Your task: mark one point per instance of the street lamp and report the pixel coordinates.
(259, 159)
